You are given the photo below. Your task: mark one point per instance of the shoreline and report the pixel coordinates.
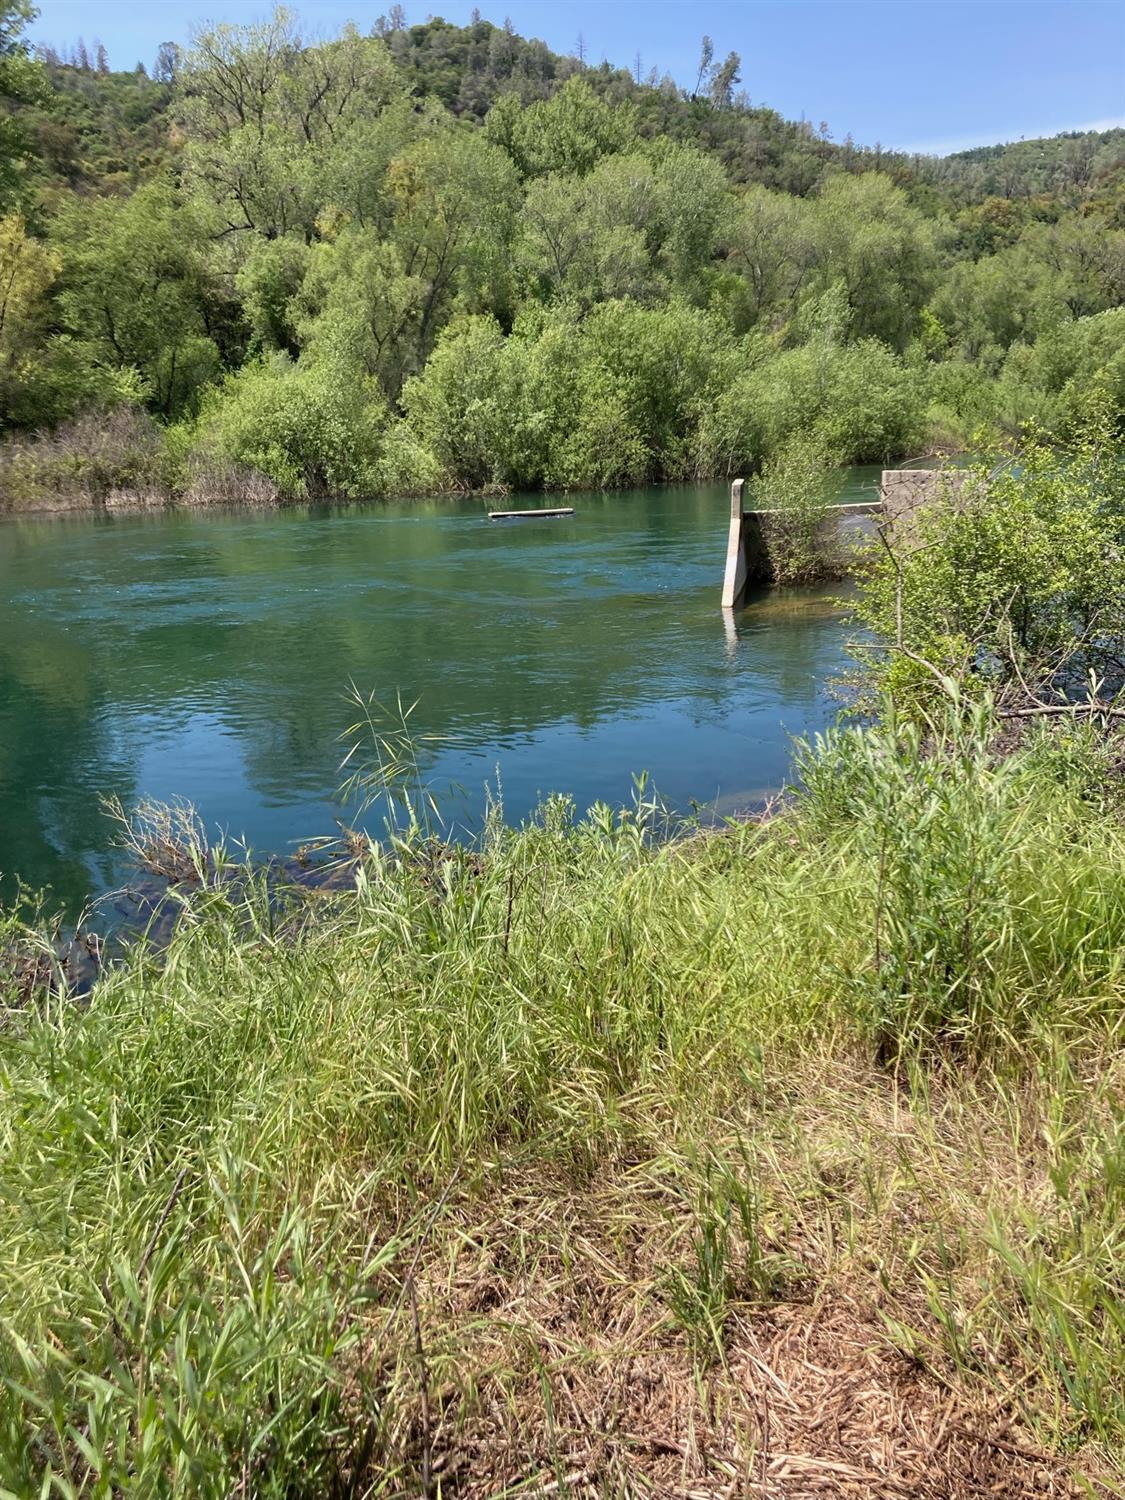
(137, 502)
(701, 1138)
(146, 501)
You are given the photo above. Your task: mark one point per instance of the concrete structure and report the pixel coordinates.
(901, 493)
(904, 491)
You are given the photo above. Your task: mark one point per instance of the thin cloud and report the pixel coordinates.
(981, 138)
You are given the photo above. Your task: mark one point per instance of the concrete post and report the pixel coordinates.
(902, 493)
(734, 578)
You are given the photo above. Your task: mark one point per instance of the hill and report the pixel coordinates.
(99, 129)
(499, 254)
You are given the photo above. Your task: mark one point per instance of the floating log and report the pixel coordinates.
(517, 515)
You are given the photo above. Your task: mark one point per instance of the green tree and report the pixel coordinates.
(135, 292)
(989, 304)
(574, 246)
(22, 81)
(772, 247)
(28, 270)
(693, 210)
(268, 282)
(454, 198)
(570, 132)
(267, 117)
(873, 240)
(723, 80)
(1054, 377)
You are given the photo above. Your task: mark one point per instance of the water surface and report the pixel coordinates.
(207, 656)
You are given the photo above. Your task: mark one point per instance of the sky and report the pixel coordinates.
(915, 75)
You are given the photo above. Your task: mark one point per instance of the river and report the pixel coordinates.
(207, 656)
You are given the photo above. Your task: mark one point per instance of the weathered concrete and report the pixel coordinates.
(901, 493)
(906, 491)
(734, 578)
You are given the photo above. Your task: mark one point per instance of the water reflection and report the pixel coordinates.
(209, 657)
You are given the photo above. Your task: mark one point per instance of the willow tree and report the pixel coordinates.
(28, 270)
(268, 118)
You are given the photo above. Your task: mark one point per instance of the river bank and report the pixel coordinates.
(121, 462)
(765, 1164)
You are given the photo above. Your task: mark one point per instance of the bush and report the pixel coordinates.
(1016, 581)
(860, 400)
(666, 365)
(603, 448)
(613, 399)
(311, 428)
(1050, 378)
(407, 466)
(963, 402)
(452, 409)
(794, 486)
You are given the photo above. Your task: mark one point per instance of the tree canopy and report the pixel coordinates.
(526, 270)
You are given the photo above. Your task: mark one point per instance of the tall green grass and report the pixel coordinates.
(222, 1180)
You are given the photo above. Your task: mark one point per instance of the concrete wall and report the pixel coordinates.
(905, 491)
(901, 494)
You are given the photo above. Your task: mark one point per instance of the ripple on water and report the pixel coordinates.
(209, 657)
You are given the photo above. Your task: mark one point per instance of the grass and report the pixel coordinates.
(784, 1160)
(90, 462)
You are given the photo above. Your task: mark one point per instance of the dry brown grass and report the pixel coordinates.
(549, 1358)
(112, 458)
(578, 1383)
(215, 482)
(167, 839)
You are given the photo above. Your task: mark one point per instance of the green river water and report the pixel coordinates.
(207, 657)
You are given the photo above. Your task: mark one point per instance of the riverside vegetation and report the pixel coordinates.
(441, 257)
(782, 1159)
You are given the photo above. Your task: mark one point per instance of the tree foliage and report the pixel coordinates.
(1013, 582)
(536, 271)
(21, 82)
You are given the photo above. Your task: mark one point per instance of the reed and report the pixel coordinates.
(587, 1163)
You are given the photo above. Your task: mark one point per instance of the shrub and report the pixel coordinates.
(666, 365)
(1018, 581)
(962, 401)
(311, 428)
(613, 399)
(1050, 378)
(407, 466)
(860, 400)
(794, 486)
(540, 392)
(452, 407)
(604, 447)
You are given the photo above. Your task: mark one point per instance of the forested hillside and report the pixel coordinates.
(443, 257)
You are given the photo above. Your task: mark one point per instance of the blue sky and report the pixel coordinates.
(912, 74)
